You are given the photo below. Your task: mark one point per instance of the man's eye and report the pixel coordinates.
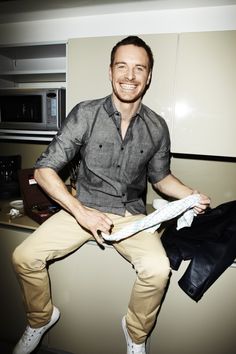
(121, 67)
(139, 68)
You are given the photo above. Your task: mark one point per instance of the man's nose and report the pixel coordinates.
(130, 74)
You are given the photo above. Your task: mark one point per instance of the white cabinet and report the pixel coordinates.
(92, 288)
(193, 85)
(31, 64)
(205, 94)
(13, 317)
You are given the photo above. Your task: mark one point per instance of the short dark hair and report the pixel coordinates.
(134, 40)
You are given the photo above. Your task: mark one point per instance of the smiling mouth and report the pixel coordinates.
(128, 87)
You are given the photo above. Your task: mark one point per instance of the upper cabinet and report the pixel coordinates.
(193, 85)
(205, 94)
(30, 64)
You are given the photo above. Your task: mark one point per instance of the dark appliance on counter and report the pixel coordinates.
(37, 204)
(9, 183)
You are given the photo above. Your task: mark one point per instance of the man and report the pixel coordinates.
(121, 143)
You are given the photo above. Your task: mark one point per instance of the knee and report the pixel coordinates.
(18, 258)
(23, 258)
(155, 269)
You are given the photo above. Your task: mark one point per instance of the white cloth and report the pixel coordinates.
(152, 222)
(14, 213)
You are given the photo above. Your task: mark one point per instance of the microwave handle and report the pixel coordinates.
(28, 135)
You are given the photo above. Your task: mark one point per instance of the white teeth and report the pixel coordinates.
(128, 86)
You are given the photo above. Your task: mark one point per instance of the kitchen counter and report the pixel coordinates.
(93, 283)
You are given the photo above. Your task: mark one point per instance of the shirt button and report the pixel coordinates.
(141, 151)
(118, 166)
(100, 146)
(123, 194)
(122, 148)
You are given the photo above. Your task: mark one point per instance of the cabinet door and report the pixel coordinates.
(88, 67)
(205, 97)
(13, 319)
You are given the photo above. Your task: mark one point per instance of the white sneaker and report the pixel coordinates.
(132, 348)
(32, 336)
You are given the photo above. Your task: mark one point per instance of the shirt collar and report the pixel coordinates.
(109, 106)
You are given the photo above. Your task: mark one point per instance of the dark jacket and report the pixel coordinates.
(210, 244)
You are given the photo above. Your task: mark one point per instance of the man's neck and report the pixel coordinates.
(126, 109)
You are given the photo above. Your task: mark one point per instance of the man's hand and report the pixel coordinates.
(95, 221)
(173, 187)
(91, 219)
(203, 205)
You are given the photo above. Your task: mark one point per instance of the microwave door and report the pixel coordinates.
(22, 112)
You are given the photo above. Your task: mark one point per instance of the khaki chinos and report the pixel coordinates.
(60, 235)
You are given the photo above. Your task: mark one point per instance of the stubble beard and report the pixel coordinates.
(122, 99)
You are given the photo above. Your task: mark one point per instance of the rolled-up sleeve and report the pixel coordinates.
(66, 143)
(159, 165)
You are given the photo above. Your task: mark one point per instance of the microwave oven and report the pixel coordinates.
(31, 110)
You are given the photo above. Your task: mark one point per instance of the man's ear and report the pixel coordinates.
(110, 73)
(149, 78)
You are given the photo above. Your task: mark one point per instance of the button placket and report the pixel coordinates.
(121, 156)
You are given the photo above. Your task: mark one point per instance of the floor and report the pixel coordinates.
(6, 348)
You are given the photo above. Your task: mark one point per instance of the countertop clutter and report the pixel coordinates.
(22, 221)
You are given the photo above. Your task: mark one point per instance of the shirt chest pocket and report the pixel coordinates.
(99, 154)
(138, 157)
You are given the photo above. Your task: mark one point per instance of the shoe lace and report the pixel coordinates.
(138, 348)
(29, 334)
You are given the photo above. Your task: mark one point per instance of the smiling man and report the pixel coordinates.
(121, 144)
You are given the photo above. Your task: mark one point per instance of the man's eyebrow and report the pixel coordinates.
(119, 62)
(142, 65)
(123, 62)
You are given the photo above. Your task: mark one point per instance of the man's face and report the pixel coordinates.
(129, 74)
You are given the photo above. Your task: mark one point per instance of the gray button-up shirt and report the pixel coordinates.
(113, 172)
